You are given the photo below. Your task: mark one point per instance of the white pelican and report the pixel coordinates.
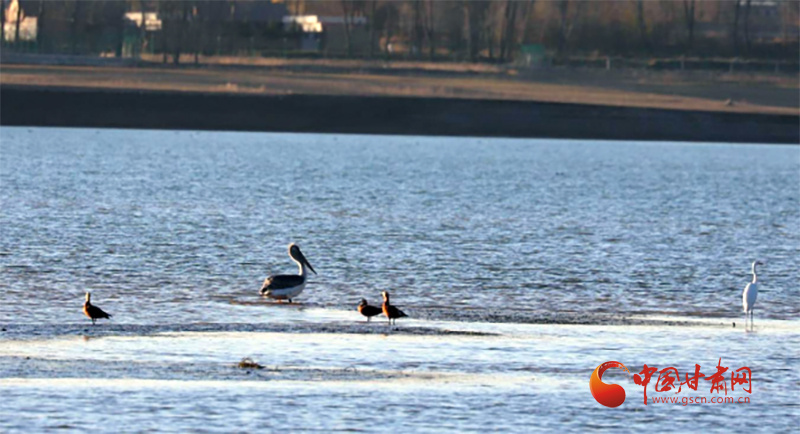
(288, 286)
(93, 312)
(749, 295)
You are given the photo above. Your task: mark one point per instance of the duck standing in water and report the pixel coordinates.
(390, 311)
(92, 311)
(288, 286)
(368, 311)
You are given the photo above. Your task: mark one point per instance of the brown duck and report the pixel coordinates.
(368, 311)
(92, 311)
(390, 311)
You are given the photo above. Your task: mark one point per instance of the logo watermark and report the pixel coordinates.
(669, 379)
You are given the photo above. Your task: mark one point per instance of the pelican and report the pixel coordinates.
(92, 311)
(390, 311)
(288, 286)
(749, 295)
(368, 311)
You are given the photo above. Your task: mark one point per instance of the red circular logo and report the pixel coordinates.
(610, 395)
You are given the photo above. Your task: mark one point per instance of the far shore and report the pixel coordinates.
(342, 98)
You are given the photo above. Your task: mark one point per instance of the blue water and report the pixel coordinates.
(173, 232)
(189, 220)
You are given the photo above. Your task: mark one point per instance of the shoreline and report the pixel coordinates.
(57, 106)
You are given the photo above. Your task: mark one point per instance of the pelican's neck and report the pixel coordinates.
(301, 267)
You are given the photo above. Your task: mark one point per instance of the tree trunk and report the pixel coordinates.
(735, 32)
(429, 29)
(373, 5)
(563, 34)
(640, 18)
(40, 26)
(196, 30)
(73, 33)
(488, 30)
(526, 18)
(2, 23)
(347, 23)
(467, 30)
(16, 29)
(120, 29)
(509, 29)
(688, 11)
(747, 27)
(142, 31)
(418, 28)
(475, 14)
(176, 59)
(162, 11)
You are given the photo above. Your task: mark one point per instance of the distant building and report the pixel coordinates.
(766, 21)
(310, 28)
(28, 25)
(152, 22)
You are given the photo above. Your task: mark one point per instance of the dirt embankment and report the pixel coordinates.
(331, 97)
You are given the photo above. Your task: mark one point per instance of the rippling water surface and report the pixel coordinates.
(187, 221)
(173, 232)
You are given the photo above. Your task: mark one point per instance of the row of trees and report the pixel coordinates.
(455, 29)
(495, 30)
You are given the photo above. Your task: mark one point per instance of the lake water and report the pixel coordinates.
(494, 247)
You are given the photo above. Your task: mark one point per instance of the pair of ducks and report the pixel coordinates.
(391, 312)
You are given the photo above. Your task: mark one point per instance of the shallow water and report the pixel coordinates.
(527, 378)
(647, 245)
(176, 226)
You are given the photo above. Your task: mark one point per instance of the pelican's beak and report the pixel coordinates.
(305, 261)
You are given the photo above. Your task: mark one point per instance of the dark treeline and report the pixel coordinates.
(492, 31)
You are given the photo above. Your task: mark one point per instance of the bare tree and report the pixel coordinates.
(73, 30)
(566, 24)
(118, 11)
(640, 19)
(747, 26)
(16, 29)
(384, 22)
(347, 10)
(475, 14)
(40, 27)
(430, 22)
(735, 32)
(467, 27)
(142, 29)
(183, 15)
(688, 12)
(526, 19)
(417, 31)
(509, 27)
(372, 27)
(162, 12)
(2, 22)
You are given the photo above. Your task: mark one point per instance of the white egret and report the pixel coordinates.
(749, 295)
